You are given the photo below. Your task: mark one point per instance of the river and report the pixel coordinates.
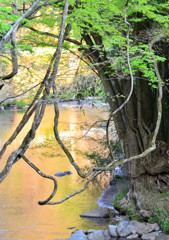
(20, 215)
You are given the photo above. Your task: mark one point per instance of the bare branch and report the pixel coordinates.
(66, 151)
(161, 6)
(15, 155)
(76, 192)
(44, 176)
(160, 86)
(54, 35)
(131, 79)
(19, 95)
(14, 57)
(31, 109)
(88, 130)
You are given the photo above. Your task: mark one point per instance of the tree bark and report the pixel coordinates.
(135, 124)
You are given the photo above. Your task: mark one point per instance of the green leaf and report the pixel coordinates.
(7, 45)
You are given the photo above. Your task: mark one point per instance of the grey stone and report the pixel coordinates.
(91, 230)
(107, 235)
(78, 235)
(162, 236)
(116, 212)
(100, 212)
(149, 236)
(98, 234)
(156, 227)
(123, 229)
(132, 236)
(144, 228)
(112, 230)
(145, 214)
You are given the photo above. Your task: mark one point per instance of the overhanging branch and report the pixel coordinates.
(54, 35)
(42, 175)
(131, 80)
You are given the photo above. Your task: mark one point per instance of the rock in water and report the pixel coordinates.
(100, 212)
(78, 235)
(67, 172)
(149, 236)
(98, 234)
(112, 230)
(123, 229)
(60, 174)
(133, 236)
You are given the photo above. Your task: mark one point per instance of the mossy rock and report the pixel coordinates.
(136, 217)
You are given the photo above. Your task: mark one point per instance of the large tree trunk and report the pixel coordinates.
(135, 125)
(150, 174)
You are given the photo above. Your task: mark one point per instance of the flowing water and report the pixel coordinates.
(20, 215)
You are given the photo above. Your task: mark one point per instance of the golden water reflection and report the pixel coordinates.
(20, 215)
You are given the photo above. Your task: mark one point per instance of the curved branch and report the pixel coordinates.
(53, 35)
(131, 79)
(15, 155)
(44, 176)
(32, 107)
(160, 86)
(7, 36)
(88, 130)
(19, 95)
(14, 58)
(66, 151)
(76, 192)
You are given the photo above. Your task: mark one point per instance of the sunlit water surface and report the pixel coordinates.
(20, 215)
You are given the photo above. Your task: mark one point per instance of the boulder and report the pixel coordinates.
(112, 230)
(145, 214)
(78, 235)
(107, 235)
(100, 212)
(162, 236)
(149, 236)
(132, 236)
(98, 234)
(123, 229)
(143, 228)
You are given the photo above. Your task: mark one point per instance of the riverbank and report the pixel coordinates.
(120, 227)
(72, 102)
(124, 231)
